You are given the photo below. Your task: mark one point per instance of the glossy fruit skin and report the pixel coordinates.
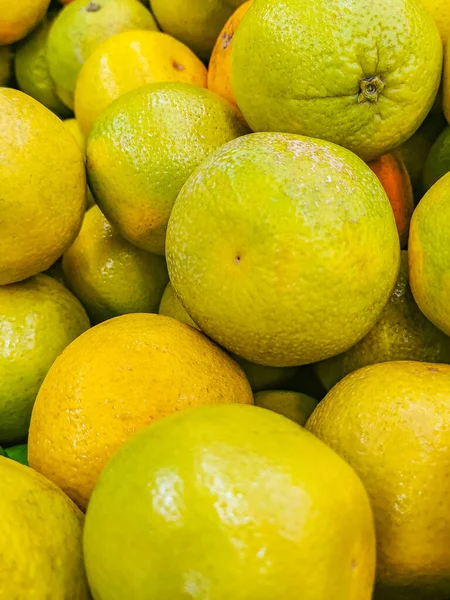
(257, 243)
(295, 406)
(260, 377)
(429, 253)
(79, 28)
(390, 421)
(219, 67)
(41, 542)
(17, 19)
(31, 70)
(136, 183)
(401, 333)
(127, 61)
(116, 378)
(394, 177)
(197, 23)
(341, 70)
(38, 318)
(438, 160)
(247, 504)
(109, 275)
(74, 128)
(43, 184)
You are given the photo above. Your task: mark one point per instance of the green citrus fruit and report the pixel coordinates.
(228, 502)
(402, 333)
(267, 253)
(39, 317)
(391, 422)
(41, 541)
(293, 405)
(32, 70)
(6, 62)
(429, 254)
(79, 28)
(438, 160)
(135, 178)
(196, 23)
(110, 276)
(361, 74)
(18, 453)
(74, 128)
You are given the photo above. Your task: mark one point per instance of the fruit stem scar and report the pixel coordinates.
(93, 7)
(177, 66)
(370, 89)
(238, 259)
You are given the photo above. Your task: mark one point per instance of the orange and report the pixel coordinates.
(127, 61)
(114, 379)
(219, 78)
(17, 18)
(394, 177)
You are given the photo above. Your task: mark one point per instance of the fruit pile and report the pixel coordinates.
(224, 299)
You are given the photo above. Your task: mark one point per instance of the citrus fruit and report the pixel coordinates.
(32, 73)
(43, 187)
(438, 160)
(391, 422)
(119, 376)
(127, 61)
(79, 28)
(6, 61)
(293, 405)
(41, 542)
(414, 151)
(73, 126)
(39, 317)
(109, 275)
(440, 10)
(361, 74)
(136, 183)
(229, 502)
(219, 77)
(264, 253)
(402, 333)
(196, 23)
(446, 84)
(394, 177)
(429, 254)
(260, 377)
(17, 19)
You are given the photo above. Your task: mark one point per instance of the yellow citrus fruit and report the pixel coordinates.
(127, 61)
(17, 19)
(73, 126)
(219, 68)
(135, 178)
(41, 541)
(79, 28)
(39, 317)
(109, 275)
(294, 405)
(429, 253)
(402, 333)
(32, 73)
(229, 502)
(391, 422)
(114, 379)
(267, 253)
(440, 9)
(6, 62)
(43, 186)
(196, 23)
(446, 84)
(260, 377)
(361, 74)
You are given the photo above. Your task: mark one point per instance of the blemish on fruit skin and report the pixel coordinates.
(93, 7)
(238, 259)
(353, 564)
(177, 66)
(227, 38)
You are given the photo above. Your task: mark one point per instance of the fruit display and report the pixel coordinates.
(224, 292)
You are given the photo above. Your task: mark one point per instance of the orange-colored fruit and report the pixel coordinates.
(114, 379)
(394, 177)
(17, 18)
(219, 78)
